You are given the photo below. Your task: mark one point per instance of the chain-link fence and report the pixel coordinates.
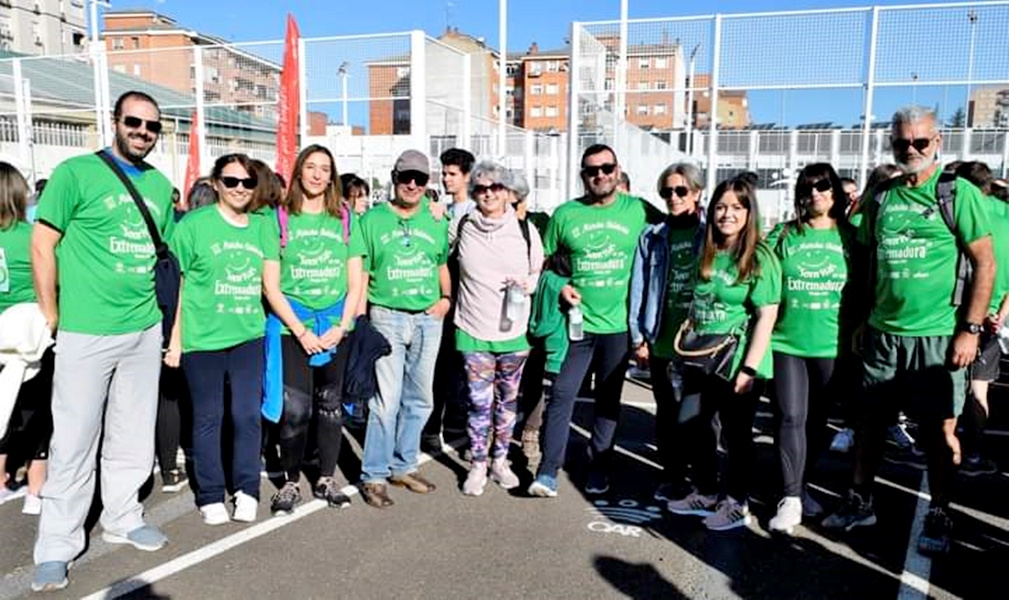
(772, 92)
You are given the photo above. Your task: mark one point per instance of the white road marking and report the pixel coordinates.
(914, 580)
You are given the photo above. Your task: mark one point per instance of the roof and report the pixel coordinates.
(564, 52)
(70, 84)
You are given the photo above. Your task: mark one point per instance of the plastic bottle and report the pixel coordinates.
(1003, 338)
(575, 321)
(515, 302)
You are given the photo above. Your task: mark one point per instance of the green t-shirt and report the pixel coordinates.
(724, 305)
(16, 265)
(601, 241)
(679, 288)
(998, 213)
(464, 342)
(313, 264)
(105, 258)
(814, 267)
(402, 256)
(916, 256)
(222, 269)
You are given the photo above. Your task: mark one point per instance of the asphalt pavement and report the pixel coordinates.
(506, 545)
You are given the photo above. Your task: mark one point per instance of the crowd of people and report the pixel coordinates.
(275, 309)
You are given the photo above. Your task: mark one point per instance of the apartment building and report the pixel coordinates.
(989, 107)
(155, 48)
(53, 27)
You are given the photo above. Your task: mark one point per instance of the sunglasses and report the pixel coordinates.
(494, 187)
(821, 185)
(405, 228)
(248, 183)
(136, 122)
(902, 145)
(417, 177)
(593, 171)
(680, 190)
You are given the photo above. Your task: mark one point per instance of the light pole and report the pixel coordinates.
(969, 116)
(914, 88)
(342, 72)
(690, 101)
(102, 102)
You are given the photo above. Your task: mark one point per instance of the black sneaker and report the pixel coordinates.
(327, 489)
(173, 481)
(672, 491)
(598, 482)
(854, 512)
(284, 501)
(909, 456)
(934, 538)
(430, 444)
(973, 466)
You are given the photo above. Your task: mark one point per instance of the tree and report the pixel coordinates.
(959, 118)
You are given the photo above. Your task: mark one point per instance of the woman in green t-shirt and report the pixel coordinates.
(814, 250)
(218, 335)
(31, 420)
(314, 303)
(736, 291)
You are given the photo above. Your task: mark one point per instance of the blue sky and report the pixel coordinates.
(814, 49)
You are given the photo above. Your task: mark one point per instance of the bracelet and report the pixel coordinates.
(446, 297)
(747, 370)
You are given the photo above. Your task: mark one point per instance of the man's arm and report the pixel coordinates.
(441, 307)
(44, 241)
(981, 253)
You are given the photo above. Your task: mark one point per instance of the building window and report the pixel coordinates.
(643, 86)
(119, 69)
(536, 112)
(117, 43)
(402, 72)
(608, 84)
(553, 89)
(659, 109)
(644, 63)
(553, 66)
(642, 109)
(661, 62)
(136, 41)
(552, 111)
(136, 70)
(661, 85)
(536, 89)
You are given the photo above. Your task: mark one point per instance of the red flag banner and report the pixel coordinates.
(193, 163)
(290, 98)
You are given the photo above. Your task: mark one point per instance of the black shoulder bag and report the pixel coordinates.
(707, 353)
(167, 273)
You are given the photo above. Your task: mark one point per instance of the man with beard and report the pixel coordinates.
(918, 340)
(108, 324)
(600, 232)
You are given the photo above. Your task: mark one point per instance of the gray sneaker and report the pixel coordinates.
(934, 537)
(50, 576)
(730, 515)
(695, 503)
(854, 512)
(147, 538)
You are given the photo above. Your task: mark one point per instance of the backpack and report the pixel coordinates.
(282, 218)
(945, 191)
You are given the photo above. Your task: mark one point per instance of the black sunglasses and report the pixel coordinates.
(680, 190)
(494, 187)
(417, 177)
(902, 145)
(135, 123)
(593, 171)
(248, 183)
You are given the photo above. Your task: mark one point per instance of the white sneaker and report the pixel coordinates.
(730, 515)
(214, 514)
(7, 494)
(32, 505)
(476, 480)
(502, 473)
(245, 508)
(789, 515)
(843, 441)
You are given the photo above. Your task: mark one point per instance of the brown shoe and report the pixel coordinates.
(376, 494)
(413, 482)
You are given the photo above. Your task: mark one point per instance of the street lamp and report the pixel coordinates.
(342, 72)
(914, 88)
(972, 18)
(690, 101)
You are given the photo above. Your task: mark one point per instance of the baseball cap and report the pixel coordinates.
(412, 160)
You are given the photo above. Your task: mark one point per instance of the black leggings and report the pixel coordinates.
(802, 394)
(311, 391)
(174, 419)
(31, 420)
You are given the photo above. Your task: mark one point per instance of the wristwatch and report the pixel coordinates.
(971, 328)
(747, 370)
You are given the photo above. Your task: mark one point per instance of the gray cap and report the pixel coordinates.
(412, 160)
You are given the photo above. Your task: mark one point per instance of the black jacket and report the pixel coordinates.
(367, 345)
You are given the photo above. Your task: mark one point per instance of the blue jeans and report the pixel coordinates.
(405, 398)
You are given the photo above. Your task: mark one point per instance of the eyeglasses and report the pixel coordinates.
(248, 183)
(417, 177)
(680, 190)
(135, 123)
(902, 145)
(593, 171)
(481, 189)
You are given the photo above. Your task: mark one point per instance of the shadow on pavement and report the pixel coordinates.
(636, 580)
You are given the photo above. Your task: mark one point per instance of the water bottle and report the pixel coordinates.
(515, 302)
(575, 322)
(1003, 338)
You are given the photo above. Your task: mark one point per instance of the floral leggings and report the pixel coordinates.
(493, 389)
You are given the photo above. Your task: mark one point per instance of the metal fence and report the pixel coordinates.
(771, 92)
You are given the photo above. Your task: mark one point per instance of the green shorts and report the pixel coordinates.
(913, 374)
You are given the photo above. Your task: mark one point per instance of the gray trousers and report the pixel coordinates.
(115, 376)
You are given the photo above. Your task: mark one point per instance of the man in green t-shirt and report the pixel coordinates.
(599, 232)
(918, 342)
(401, 255)
(91, 233)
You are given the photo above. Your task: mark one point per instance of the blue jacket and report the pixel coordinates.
(649, 276)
